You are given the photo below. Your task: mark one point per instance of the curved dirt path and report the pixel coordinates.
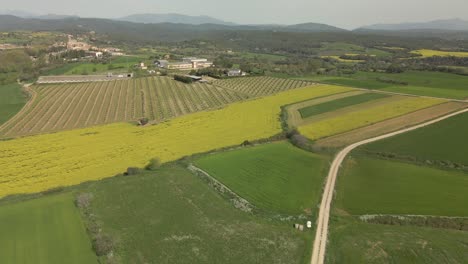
(320, 242)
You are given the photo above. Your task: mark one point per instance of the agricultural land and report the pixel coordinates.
(75, 156)
(203, 143)
(276, 177)
(401, 186)
(436, 84)
(46, 230)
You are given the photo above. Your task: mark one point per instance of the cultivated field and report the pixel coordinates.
(317, 109)
(389, 125)
(277, 177)
(444, 141)
(70, 106)
(260, 86)
(45, 230)
(436, 84)
(431, 53)
(374, 186)
(171, 216)
(37, 163)
(352, 241)
(338, 122)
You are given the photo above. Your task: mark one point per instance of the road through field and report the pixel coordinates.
(320, 242)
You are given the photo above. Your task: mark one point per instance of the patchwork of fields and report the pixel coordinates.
(349, 120)
(436, 84)
(69, 106)
(422, 172)
(389, 125)
(443, 141)
(277, 177)
(37, 163)
(171, 216)
(47, 230)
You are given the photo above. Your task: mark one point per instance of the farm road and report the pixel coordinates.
(320, 242)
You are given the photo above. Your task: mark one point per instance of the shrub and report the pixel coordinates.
(143, 121)
(83, 200)
(183, 79)
(153, 164)
(103, 244)
(246, 143)
(133, 171)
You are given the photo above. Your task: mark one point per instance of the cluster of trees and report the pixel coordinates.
(182, 78)
(16, 64)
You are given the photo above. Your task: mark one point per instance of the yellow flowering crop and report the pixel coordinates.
(364, 117)
(37, 163)
(430, 53)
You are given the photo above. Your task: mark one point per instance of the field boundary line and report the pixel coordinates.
(196, 170)
(321, 235)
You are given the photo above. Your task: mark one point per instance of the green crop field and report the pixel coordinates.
(260, 86)
(12, 99)
(435, 84)
(352, 241)
(45, 230)
(172, 216)
(276, 177)
(373, 186)
(339, 103)
(119, 64)
(68, 106)
(443, 141)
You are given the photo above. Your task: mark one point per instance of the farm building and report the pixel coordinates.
(185, 64)
(235, 72)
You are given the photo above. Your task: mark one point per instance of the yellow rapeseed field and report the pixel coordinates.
(364, 117)
(37, 163)
(431, 53)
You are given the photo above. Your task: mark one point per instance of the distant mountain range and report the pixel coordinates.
(23, 14)
(447, 24)
(173, 18)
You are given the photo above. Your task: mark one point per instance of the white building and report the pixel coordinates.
(185, 64)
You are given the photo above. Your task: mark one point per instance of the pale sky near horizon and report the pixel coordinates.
(342, 13)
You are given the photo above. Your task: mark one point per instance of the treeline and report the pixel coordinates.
(182, 78)
(423, 221)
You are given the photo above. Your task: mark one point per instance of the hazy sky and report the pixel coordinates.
(342, 13)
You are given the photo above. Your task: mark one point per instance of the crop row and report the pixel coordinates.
(261, 86)
(70, 106)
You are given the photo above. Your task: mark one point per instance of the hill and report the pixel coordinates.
(173, 18)
(447, 24)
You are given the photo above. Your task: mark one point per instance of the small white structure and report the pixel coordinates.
(309, 224)
(234, 72)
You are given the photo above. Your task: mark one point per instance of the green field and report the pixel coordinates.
(46, 230)
(435, 84)
(172, 216)
(276, 177)
(443, 141)
(12, 99)
(341, 48)
(118, 64)
(352, 241)
(373, 186)
(339, 103)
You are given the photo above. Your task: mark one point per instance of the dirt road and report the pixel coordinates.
(320, 243)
